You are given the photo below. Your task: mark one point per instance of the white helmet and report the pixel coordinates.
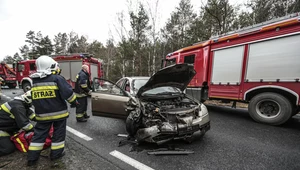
(46, 64)
(26, 97)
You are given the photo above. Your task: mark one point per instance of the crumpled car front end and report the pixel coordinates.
(160, 121)
(161, 111)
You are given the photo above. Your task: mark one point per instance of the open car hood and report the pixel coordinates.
(178, 75)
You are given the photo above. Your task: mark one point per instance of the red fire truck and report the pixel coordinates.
(70, 65)
(8, 75)
(259, 65)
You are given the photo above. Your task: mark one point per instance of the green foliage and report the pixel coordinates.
(8, 59)
(141, 48)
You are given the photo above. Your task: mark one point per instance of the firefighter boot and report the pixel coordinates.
(85, 115)
(31, 162)
(81, 119)
(59, 156)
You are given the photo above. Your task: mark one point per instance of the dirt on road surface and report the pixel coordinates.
(77, 157)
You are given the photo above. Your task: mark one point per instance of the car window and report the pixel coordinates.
(107, 87)
(162, 90)
(127, 86)
(120, 82)
(138, 83)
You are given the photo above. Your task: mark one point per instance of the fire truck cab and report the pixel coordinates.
(259, 65)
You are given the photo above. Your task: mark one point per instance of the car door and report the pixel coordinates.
(108, 99)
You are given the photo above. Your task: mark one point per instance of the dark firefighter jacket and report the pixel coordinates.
(82, 86)
(49, 96)
(14, 116)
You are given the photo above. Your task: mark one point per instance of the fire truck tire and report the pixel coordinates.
(26, 86)
(270, 108)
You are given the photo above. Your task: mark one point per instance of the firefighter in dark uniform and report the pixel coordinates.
(82, 90)
(50, 91)
(14, 117)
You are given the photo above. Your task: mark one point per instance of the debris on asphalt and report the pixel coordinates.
(170, 151)
(123, 135)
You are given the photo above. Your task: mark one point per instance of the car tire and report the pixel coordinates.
(26, 86)
(131, 126)
(270, 108)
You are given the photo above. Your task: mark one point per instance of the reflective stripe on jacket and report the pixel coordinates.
(49, 96)
(82, 85)
(14, 116)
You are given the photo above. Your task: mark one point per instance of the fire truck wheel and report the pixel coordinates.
(270, 108)
(26, 86)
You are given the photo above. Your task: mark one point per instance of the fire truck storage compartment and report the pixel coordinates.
(274, 60)
(227, 66)
(94, 71)
(70, 69)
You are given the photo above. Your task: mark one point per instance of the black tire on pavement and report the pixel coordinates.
(26, 86)
(131, 127)
(270, 108)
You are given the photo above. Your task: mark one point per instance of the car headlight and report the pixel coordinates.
(203, 110)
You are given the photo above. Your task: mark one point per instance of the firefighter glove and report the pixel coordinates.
(74, 103)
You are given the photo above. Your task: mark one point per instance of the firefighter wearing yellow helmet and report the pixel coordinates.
(50, 91)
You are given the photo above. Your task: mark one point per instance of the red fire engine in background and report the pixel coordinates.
(8, 75)
(70, 65)
(259, 65)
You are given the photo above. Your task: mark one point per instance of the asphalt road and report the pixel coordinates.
(235, 141)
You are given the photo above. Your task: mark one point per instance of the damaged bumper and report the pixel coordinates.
(168, 131)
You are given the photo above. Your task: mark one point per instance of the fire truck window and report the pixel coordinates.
(189, 59)
(20, 67)
(32, 66)
(170, 62)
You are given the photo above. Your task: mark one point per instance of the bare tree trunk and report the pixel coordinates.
(153, 15)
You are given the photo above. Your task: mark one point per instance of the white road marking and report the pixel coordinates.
(130, 161)
(79, 134)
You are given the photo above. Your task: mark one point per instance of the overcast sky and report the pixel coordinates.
(92, 18)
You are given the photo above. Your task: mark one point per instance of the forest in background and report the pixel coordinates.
(138, 50)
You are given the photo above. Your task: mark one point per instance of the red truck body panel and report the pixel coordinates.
(220, 50)
(70, 65)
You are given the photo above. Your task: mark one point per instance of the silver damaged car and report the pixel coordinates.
(160, 111)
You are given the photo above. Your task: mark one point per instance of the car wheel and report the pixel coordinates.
(270, 108)
(131, 126)
(26, 86)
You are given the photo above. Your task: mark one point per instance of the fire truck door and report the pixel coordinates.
(226, 73)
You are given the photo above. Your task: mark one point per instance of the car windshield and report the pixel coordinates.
(138, 83)
(166, 90)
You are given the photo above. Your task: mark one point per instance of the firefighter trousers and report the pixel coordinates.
(6, 145)
(41, 132)
(82, 107)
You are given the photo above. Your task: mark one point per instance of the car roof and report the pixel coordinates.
(137, 77)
